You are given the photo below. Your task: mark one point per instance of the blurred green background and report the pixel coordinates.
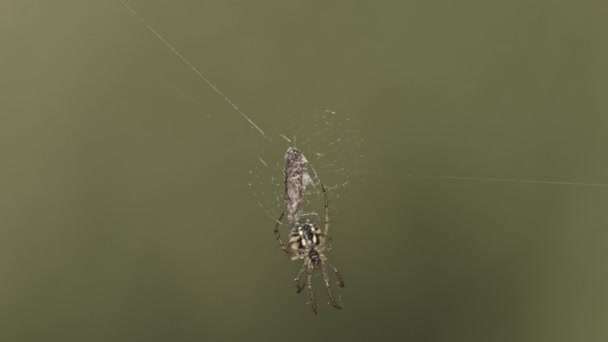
(125, 213)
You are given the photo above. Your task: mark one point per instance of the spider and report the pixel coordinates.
(306, 242)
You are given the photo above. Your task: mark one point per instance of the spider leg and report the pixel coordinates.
(278, 235)
(328, 243)
(313, 304)
(326, 205)
(338, 275)
(300, 287)
(328, 287)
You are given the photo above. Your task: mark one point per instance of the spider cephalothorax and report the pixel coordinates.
(307, 242)
(304, 234)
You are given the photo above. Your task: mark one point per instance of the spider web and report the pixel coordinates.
(332, 147)
(327, 138)
(327, 141)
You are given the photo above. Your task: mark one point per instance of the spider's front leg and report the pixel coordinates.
(327, 242)
(326, 209)
(278, 236)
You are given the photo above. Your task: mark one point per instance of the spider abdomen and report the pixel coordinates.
(315, 258)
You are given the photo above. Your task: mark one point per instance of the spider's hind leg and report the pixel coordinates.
(338, 275)
(328, 287)
(313, 304)
(300, 287)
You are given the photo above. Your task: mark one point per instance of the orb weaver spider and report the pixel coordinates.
(307, 243)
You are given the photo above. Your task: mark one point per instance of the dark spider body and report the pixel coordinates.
(308, 243)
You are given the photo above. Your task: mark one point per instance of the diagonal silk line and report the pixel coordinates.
(178, 54)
